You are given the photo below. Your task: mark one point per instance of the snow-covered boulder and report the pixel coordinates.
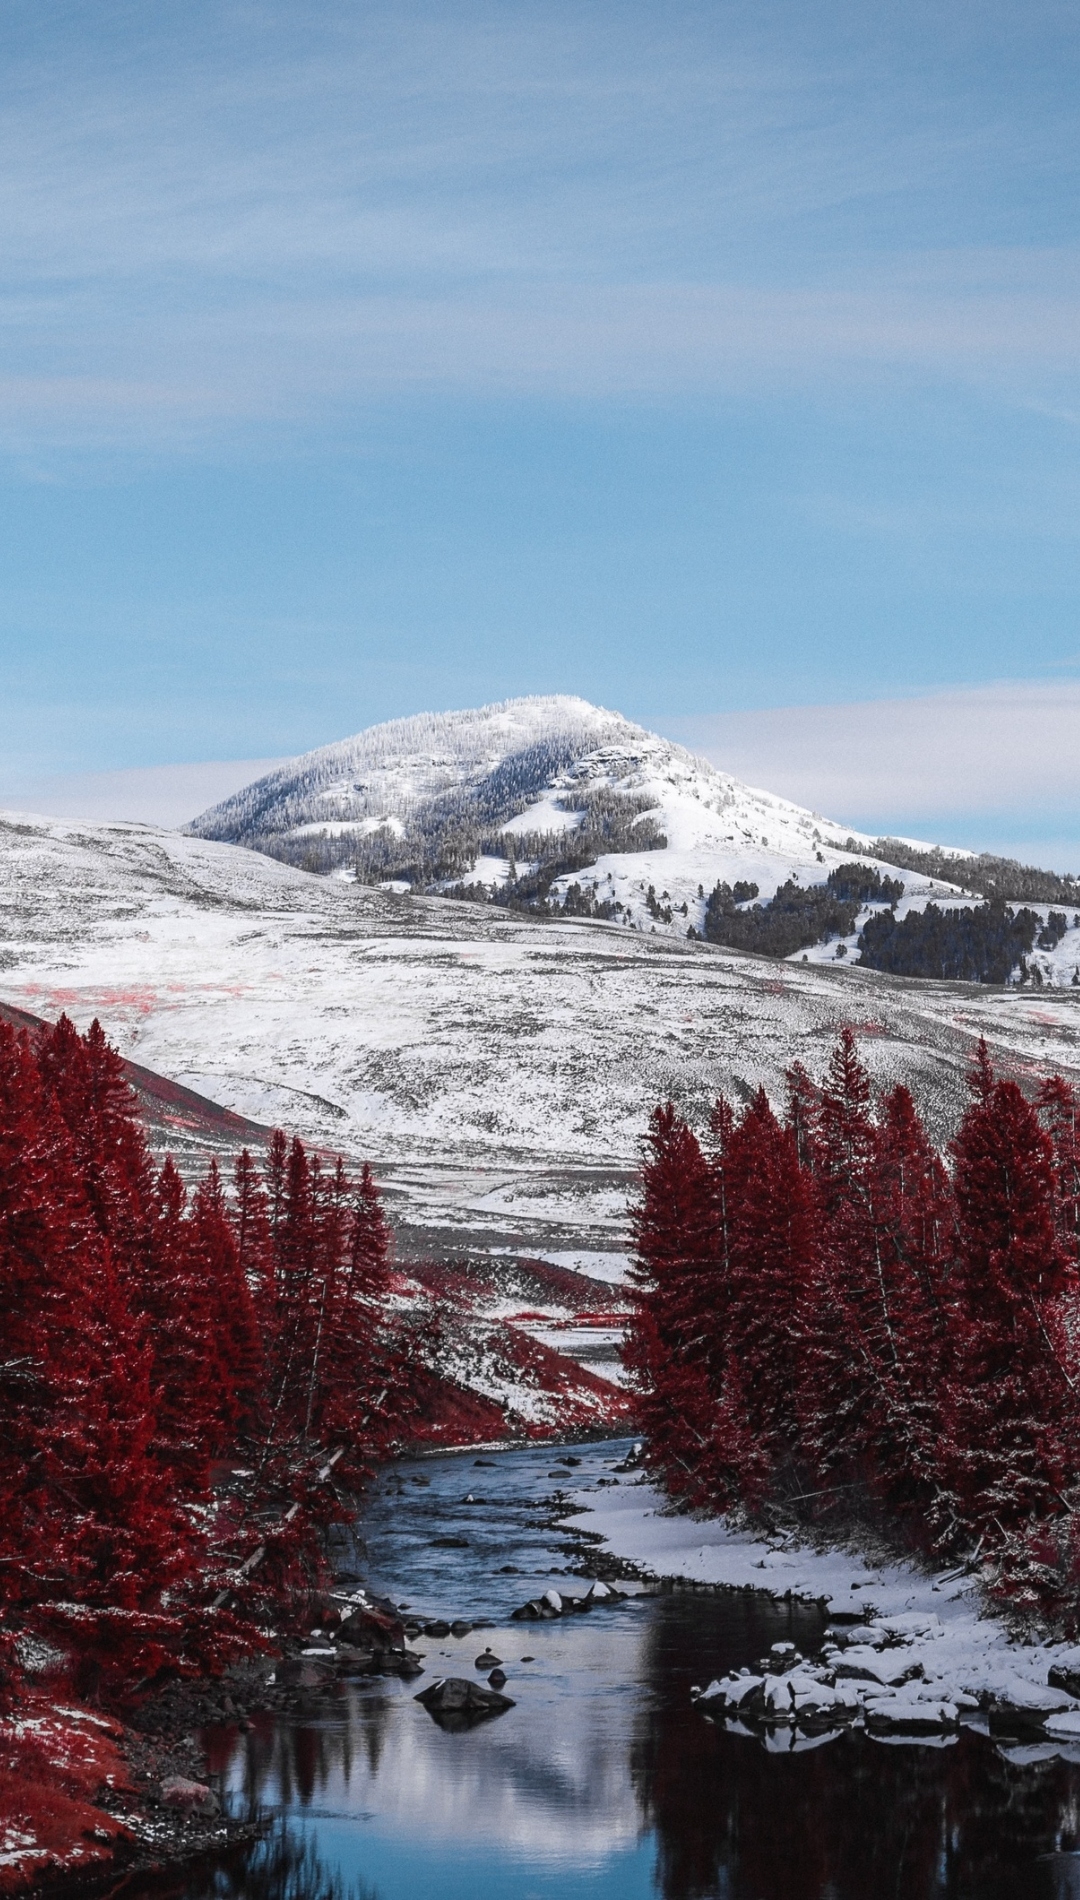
(860, 1663)
(905, 1712)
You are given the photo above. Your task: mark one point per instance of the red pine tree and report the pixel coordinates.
(1013, 1398)
(250, 1216)
(675, 1346)
(83, 1519)
(233, 1325)
(773, 1247)
(175, 1299)
(100, 1110)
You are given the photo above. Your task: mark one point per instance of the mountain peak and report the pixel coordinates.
(376, 772)
(545, 801)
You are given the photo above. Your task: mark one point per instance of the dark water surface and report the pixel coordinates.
(603, 1781)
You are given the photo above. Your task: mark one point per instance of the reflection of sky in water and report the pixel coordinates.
(411, 1868)
(551, 1784)
(603, 1781)
(548, 1785)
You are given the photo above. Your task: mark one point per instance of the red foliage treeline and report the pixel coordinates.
(828, 1318)
(177, 1371)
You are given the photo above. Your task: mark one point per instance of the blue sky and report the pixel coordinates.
(702, 359)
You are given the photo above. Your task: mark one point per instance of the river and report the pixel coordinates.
(603, 1781)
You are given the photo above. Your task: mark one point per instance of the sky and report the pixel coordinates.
(718, 362)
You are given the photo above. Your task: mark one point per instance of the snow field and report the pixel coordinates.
(499, 1069)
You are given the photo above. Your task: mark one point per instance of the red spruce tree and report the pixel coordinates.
(1013, 1395)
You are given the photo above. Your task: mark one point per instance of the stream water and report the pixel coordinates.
(603, 1781)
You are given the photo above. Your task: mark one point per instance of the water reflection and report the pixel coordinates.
(849, 1817)
(304, 1762)
(283, 1865)
(554, 1789)
(604, 1781)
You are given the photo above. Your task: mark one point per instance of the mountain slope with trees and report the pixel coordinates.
(549, 805)
(196, 1380)
(560, 808)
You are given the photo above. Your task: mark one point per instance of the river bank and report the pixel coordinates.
(108, 1794)
(958, 1655)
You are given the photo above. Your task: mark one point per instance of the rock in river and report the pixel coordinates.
(455, 1703)
(194, 1797)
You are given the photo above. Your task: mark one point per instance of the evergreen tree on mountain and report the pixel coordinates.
(803, 1099)
(380, 1356)
(83, 1517)
(249, 1216)
(369, 1255)
(914, 1247)
(773, 1246)
(234, 1328)
(86, 1077)
(148, 1333)
(294, 1230)
(875, 1311)
(176, 1301)
(334, 1375)
(333, 1372)
(676, 1345)
(824, 1316)
(1013, 1395)
(277, 1166)
(843, 1317)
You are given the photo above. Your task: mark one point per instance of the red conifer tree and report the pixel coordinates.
(845, 1318)
(250, 1215)
(773, 1248)
(234, 1331)
(82, 1516)
(174, 1297)
(676, 1343)
(86, 1076)
(1013, 1398)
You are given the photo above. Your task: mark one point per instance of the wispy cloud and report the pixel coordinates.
(301, 357)
(258, 213)
(150, 795)
(996, 766)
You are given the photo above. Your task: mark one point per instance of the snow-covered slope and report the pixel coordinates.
(398, 772)
(498, 1069)
(476, 798)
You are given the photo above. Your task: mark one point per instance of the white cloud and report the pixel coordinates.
(153, 795)
(996, 767)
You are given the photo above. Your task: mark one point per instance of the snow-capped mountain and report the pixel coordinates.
(548, 800)
(417, 774)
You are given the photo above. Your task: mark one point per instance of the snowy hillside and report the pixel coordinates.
(560, 807)
(536, 799)
(499, 1070)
